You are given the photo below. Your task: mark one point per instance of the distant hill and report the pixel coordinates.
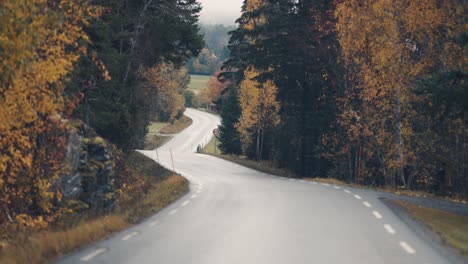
(215, 52)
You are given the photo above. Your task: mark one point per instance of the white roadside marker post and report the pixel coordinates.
(172, 159)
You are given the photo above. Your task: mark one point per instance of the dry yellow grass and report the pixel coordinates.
(263, 166)
(44, 246)
(452, 228)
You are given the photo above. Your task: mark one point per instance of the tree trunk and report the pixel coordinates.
(139, 27)
(400, 136)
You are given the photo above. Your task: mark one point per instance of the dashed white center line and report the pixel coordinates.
(367, 204)
(337, 187)
(377, 215)
(407, 247)
(389, 229)
(153, 223)
(326, 184)
(347, 191)
(185, 203)
(173, 212)
(129, 236)
(193, 196)
(93, 254)
(357, 197)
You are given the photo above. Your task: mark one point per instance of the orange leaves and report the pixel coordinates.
(387, 45)
(215, 87)
(38, 50)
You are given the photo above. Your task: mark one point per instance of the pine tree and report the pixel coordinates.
(230, 112)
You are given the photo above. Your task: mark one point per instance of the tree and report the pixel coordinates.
(292, 44)
(230, 111)
(259, 108)
(37, 53)
(164, 85)
(215, 87)
(386, 46)
(132, 35)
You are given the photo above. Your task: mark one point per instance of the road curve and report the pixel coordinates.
(237, 215)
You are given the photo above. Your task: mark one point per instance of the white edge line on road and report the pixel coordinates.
(185, 203)
(337, 187)
(347, 191)
(389, 229)
(377, 214)
(173, 212)
(326, 184)
(193, 196)
(407, 247)
(153, 223)
(129, 236)
(93, 254)
(367, 204)
(357, 197)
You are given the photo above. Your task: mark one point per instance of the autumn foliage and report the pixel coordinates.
(371, 92)
(38, 51)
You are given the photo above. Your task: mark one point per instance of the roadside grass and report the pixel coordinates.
(155, 127)
(151, 189)
(263, 166)
(176, 126)
(452, 228)
(153, 141)
(156, 130)
(389, 189)
(198, 83)
(211, 147)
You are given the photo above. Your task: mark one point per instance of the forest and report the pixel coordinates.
(368, 92)
(80, 82)
(215, 51)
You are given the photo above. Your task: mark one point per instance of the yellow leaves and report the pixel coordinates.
(163, 86)
(29, 222)
(386, 45)
(259, 106)
(37, 52)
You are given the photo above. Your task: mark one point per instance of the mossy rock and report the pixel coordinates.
(76, 205)
(95, 142)
(88, 169)
(96, 164)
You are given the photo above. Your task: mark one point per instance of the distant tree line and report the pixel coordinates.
(372, 92)
(214, 53)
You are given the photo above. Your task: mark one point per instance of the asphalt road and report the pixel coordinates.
(237, 215)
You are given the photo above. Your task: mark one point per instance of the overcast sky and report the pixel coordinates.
(220, 11)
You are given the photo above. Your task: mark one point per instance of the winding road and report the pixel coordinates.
(235, 215)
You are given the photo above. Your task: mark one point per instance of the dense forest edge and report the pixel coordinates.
(368, 93)
(81, 84)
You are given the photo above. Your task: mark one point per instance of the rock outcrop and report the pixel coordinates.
(90, 174)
